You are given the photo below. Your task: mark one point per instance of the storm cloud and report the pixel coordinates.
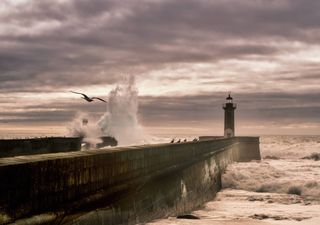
(185, 55)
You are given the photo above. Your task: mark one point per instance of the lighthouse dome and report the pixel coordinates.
(229, 97)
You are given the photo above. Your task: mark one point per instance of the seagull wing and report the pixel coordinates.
(80, 94)
(98, 99)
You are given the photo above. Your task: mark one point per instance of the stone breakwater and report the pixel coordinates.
(45, 145)
(124, 185)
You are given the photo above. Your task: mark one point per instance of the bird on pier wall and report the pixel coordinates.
(87, 98)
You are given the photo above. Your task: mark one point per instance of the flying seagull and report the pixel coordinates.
(88, 99)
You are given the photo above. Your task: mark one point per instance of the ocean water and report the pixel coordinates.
(283, 188)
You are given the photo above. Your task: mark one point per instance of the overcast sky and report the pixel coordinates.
(185, 54)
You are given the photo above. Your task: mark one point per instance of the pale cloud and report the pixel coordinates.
(178, 50)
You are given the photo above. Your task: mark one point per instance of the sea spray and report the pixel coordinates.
(81, 126)
(119, 121)
(121, 118)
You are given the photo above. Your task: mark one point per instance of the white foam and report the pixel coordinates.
(276, 176)
(289, 147)
(240, 203)
(120, 119)
(91, 132)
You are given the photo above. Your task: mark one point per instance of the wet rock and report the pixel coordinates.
(301, 218)
(279, 217)
(253, 199)
(265, 216)
(314, 156)
(271, 157)
(294, 190)
(189, 216)
(276, 217)
(259, 216)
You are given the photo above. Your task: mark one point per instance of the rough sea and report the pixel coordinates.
(284, 188)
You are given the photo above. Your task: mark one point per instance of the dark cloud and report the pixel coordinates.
(251, 107)
(312, 76)
(57, 44)
(306, 113)
(254, 107)
(51, 45)
(57, 113)
(40, 116)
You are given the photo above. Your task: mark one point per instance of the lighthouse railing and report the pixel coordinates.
(224, 105)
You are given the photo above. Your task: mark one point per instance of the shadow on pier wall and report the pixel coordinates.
(45, 145)
(170, 194)
(31, 146)
(120, 186)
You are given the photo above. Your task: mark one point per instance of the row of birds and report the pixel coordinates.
(87, 98)
(91, 99)
(181, 141)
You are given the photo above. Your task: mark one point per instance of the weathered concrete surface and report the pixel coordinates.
(127, 185)
(249, 149)
(45, 145)
(31, 146)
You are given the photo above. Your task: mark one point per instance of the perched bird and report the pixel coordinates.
(179, 141)
(185, 140)
(88, 99)
(172, 141)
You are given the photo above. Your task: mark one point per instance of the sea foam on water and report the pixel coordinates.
(282, 189)
(285, 172)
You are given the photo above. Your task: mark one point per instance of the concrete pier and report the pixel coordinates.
(43, 145)
(117, 186)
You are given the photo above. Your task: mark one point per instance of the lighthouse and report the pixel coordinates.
(229, 108)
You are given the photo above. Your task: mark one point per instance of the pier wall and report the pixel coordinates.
(43, 145)
(117, 186)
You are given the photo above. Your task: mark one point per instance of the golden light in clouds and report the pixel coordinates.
(185, 55)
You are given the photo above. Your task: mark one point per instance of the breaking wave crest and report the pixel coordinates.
(121, 118)
(276, 176)
(289, 147)
(282, 169)
(119, 121)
